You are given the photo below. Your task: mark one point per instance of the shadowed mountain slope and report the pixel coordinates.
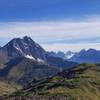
(23, 70)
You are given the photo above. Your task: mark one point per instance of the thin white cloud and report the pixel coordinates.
(53, 30)
(48, 32)
(71, 47)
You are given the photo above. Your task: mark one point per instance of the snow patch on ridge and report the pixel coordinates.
(69, 56)
(40, 60)
(29, 57)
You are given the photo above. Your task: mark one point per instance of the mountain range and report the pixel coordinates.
(28, 72)
(65, 55)
(84, 56)
(22, 60)
(87, 56)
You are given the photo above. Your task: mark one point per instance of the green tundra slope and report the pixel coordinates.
(8, 88)
(78, 83)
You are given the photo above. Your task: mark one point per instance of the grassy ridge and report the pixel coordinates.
(78, 83)
(7, 88)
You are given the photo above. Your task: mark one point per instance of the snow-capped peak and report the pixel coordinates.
(69, 54)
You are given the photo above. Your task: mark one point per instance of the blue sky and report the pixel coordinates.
(37, 10)
(55, 24)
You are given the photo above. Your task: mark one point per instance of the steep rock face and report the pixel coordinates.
(27, 48)
(23, 47)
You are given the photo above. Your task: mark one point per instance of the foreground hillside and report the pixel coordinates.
(8, 88)
(78, 83)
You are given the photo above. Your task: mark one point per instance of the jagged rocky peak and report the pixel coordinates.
(20, 41)
(28, 39)
(24, 47)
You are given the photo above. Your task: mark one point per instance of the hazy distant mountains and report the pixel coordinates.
(64, 55)
(87, 56)
(84, 56)
(21, 60)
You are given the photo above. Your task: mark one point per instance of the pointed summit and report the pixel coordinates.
(27, 39)
(24, 47)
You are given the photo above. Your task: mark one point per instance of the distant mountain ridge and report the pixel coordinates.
(65, 55)
(84, 56)
(87, 56)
